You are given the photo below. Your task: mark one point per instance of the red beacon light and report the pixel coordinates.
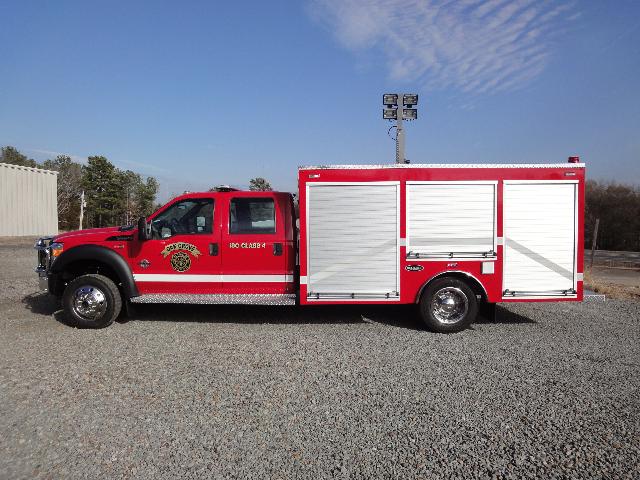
(574, 159)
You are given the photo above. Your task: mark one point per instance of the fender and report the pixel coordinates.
(448, 272)
(103, 255)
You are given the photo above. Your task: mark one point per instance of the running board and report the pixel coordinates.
(218, 299)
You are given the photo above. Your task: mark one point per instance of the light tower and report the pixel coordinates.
(399, 107)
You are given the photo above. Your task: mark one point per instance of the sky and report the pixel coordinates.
(202, 93)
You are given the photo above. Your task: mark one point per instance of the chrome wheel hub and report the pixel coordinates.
(449, 305)
(89, 302)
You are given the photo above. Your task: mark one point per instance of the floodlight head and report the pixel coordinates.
(390, 99)
(389, 113)
(409, 113)
(410, 99)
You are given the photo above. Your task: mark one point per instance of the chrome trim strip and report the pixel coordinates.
(417, 256)
(538, 297)
(348, 298)
(218, 299)
(538, 293)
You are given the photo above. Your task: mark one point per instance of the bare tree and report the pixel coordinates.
(69, 189)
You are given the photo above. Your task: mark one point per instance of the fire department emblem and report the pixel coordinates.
(180, 259)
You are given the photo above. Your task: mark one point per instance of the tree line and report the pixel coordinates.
(115, 197)
(112, 196)
(618, 208)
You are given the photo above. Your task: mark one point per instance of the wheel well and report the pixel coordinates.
(84, 267)
(469, 279)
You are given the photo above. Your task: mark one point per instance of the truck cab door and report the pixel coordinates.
(183, 255)
(255, 251)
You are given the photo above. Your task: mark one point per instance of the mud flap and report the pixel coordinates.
(130, 310)
(488, 311)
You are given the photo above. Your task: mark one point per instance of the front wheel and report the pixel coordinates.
(91, 301)
(448, 305)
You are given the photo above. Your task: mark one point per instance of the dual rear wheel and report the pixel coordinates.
(448, 305)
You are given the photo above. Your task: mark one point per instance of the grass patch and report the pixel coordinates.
(611, 290)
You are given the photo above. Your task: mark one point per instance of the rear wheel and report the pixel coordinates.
(448, 305)
(91, 301)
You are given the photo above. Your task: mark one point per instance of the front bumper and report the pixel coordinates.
(44, 262)
(43, 282)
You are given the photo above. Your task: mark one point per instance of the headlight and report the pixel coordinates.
(56, 249)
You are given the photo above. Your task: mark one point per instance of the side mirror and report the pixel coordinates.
(144, 229)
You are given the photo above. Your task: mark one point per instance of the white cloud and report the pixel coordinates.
(50, 154)
(474, 46)
(44, 154)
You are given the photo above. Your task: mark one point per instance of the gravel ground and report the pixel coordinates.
(545, 391)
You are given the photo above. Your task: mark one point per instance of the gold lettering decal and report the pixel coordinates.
(192, 249)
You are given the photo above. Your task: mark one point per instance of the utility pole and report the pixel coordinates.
(82, 205)
(394, 109)
(126, 221)
(594, 242)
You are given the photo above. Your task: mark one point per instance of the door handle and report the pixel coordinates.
(277, 249)
(213, 249)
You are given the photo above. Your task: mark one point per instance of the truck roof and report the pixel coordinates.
(442, 165)
(234, 192)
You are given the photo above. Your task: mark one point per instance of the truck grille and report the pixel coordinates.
(43, 253)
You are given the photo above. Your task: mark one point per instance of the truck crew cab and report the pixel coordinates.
(447, 238)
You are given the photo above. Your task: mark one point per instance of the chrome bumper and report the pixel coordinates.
(44, 262)
(43, 281)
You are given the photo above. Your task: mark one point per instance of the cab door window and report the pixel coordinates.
(252, 215)
(193, 216)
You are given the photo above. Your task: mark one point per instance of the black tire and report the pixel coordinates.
(448, 296)
(91, 301)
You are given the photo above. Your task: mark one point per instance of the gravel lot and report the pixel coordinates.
(545, 391)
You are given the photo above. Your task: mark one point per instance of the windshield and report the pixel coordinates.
(187, 217)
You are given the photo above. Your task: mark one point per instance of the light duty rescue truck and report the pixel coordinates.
(445, 237)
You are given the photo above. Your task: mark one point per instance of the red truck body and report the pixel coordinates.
(413, 279)
(365, 234)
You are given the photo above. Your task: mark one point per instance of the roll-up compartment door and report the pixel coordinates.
(352, 241)
(540, 239)
(451, 219)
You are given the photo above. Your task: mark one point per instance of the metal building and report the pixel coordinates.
(28, 201)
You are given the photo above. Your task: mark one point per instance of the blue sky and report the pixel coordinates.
(199, 93)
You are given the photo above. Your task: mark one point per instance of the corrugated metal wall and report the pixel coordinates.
(28, 201)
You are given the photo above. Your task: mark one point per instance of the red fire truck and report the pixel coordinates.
(448, 238)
